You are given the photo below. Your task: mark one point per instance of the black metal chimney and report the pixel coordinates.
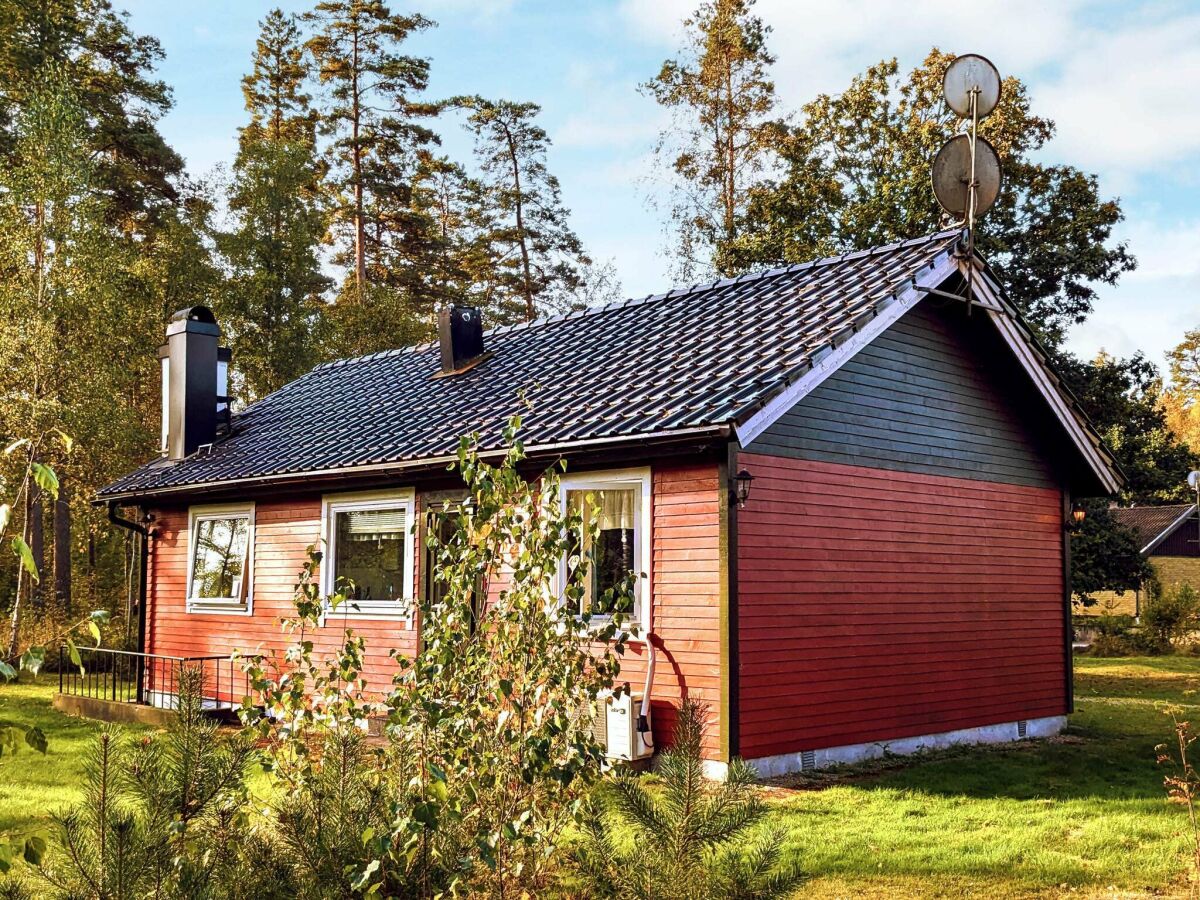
(460, 332)
(190, 381)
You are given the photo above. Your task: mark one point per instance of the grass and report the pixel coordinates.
(1081, 815)
(33, 785)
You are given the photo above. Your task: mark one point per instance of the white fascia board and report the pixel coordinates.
(832, 360)
(1187, 513)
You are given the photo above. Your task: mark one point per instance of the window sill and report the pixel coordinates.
(220, 607)
(599, 623)
(389, 612)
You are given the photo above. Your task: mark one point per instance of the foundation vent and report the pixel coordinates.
(1022, 728)
(808, 760)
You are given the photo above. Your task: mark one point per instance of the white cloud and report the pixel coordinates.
(1153, 305)
(1126, 100)
(1119, 83)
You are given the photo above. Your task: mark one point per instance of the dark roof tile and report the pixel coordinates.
(693, 357)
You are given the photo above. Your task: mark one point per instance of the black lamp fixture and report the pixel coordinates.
(1078, 514)
(742, 487)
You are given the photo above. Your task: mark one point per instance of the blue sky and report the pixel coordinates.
(1122, 80)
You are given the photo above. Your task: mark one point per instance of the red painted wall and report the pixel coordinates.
(875, 605)
(685, 587)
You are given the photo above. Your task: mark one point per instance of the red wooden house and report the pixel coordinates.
(896, 577)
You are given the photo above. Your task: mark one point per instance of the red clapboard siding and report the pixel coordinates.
(283, 530)
(685, 584)
(875, 605)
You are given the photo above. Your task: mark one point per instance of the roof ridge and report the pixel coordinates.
(682, 291)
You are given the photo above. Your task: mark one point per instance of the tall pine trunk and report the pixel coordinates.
(526, 273)
(360, 250)
(62, 550)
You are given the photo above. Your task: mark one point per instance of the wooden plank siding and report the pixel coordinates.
(900, 562)
(877, 612)
(685, 586)
(931, 394)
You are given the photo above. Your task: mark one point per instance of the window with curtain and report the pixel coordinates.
(612, 554)
(220, 558)
(371, 553)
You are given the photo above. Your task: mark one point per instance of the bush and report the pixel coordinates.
(1113, 625)
(691, 840)
(1170, 615)
(161, 817)
(490, 751)
(1106, 645)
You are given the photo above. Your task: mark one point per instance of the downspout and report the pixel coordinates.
(643, 721)
(143, 577)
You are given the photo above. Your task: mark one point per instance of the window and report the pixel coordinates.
(369, 552)
(620, 504)
(220, 551)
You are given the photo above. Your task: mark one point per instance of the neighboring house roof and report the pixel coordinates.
(712, 359)
(1153, 524)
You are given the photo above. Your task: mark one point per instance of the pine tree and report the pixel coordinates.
(724, 134)
(110, 70)
(274, 304)
(373, 117)
(689, 841)
(537, 258)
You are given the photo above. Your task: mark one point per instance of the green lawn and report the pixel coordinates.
(33, 785)
(1084, 814)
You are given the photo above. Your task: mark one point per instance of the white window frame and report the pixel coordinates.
(221, 605)
(331, 505)
(643, 552)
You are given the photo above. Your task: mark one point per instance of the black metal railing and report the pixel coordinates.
(151, 679)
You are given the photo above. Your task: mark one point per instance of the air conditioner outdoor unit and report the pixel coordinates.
(615, 727)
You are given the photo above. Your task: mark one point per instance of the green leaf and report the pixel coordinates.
(45, 478)
(95, 630)
(26, 556)
(364, 877)
(73, 653)
(36, 738)
(32, 659)
(7, 672)
(68, 442)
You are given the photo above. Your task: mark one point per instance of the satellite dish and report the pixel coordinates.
(952, 176)
(1194, 480)
(967, 75)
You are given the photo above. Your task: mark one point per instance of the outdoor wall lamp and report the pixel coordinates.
(1078, 514)
(741, 489)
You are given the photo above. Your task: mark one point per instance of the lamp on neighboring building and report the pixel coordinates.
(742, 487)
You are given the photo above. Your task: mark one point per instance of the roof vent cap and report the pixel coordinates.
(460, 334)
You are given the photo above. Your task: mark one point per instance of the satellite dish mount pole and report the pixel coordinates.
(972, 200)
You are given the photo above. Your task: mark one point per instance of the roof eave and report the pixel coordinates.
(716, 431)
(1162, 536)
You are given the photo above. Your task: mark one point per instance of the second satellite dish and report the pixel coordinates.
(952, 176)
(969, 74)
